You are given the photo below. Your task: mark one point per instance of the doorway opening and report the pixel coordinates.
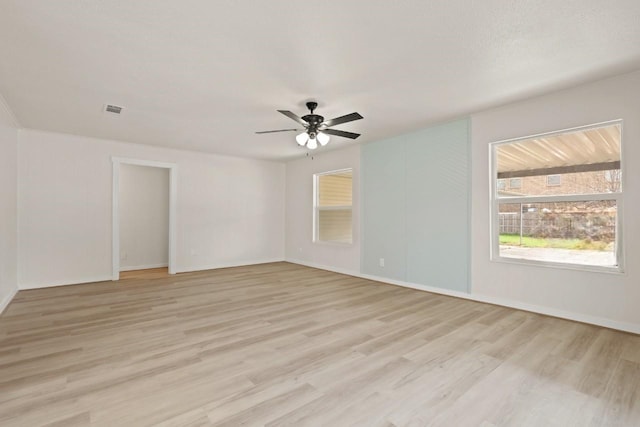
(144, 215)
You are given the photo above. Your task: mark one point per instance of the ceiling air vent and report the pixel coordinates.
(110, 108)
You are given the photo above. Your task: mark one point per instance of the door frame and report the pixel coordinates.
(115, 204)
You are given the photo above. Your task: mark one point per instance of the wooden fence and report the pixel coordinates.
(584, 225)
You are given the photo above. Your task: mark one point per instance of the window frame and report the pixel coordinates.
(495, 201)
(317, 208)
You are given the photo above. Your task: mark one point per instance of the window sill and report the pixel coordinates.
(560, 265)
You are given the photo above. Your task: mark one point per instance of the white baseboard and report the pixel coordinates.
(7, 300)
(106, 278)
(231, 264)
(144, 267)
(504, 302)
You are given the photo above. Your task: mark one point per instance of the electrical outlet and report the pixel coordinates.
(382, 262)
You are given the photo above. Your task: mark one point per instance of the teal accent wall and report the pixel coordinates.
(415, 207)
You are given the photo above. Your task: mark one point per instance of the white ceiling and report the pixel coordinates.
(204, 75)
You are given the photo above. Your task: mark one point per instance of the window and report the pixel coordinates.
(576, 222)
(332, 206)
(554, 180)
(515, 183)
(502, 184)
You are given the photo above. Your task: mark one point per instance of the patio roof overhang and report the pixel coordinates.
(586, 150)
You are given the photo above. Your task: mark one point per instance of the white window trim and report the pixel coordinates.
(317, 209)
(495, 201)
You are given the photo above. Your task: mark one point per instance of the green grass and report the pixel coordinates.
(537, 242)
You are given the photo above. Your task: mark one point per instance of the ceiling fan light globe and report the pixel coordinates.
(312, 144)
(322, 138)
(302, 139)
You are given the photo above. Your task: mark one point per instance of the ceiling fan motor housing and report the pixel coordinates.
(314, 120)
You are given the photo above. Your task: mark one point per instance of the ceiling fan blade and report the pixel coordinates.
(341, 133)
(293, 117)
(342, 119)
(279, 130)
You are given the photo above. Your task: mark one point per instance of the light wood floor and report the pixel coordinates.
(149, 273)
(285, 345)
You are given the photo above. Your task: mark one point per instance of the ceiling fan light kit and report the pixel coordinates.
(322, 138)
(312, 143)
(302, 139)
(316, 129)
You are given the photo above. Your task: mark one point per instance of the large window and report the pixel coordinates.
(332, 206)
(565, 210)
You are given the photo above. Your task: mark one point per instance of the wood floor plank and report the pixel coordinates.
(281, 344)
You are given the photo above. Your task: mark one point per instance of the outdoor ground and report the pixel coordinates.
(573, 256)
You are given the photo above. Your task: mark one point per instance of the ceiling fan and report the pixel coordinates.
(316, 128)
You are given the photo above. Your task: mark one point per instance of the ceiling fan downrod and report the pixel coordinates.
(312, 106)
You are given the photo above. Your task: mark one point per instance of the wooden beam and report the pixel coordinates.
(561, 170)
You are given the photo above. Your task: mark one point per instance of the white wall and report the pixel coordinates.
(8, 205)
(614, 297)
(144, 217)
(230, 210)
(300, 247)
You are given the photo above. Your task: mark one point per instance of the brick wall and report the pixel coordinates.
(570, 183)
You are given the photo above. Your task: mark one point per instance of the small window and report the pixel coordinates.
(554, 180)
(576, 222)
(333, 206)
(502, 184)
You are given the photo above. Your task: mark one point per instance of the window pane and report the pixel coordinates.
(333, 207)
(334, 225)
(578, 162)
(567, 232)
(335, 189)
